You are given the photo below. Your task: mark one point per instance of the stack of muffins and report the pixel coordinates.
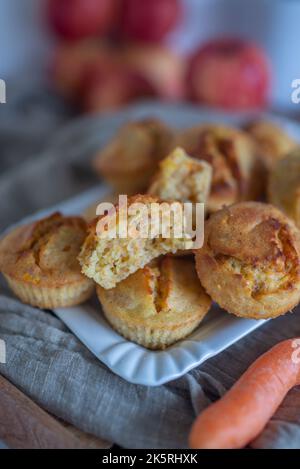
(156, 291)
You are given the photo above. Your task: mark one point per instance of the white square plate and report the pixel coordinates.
(130, 361)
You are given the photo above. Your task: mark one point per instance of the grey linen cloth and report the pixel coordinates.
(48, 363)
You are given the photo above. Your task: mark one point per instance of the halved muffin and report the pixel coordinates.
(129, 161)
(284, 185)
(182, 178)
(250, 261)
(272, 141)
(232, 155)
(109, 256)
(157, 305)
(39, 262)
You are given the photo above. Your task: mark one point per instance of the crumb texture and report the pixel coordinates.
(182, 178)
(108, 261)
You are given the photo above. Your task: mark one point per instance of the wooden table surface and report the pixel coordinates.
(24, 425)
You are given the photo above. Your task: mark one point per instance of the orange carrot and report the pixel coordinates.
(242, 413)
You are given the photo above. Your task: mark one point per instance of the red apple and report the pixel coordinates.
(108, 87)
(76, 19)
(71, 60)
(229, 73)
(149, 20)
(161, 67)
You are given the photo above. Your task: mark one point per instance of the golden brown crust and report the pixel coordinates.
(284, 185)
(272, 141)
(157, 305)
(110, 259)
(41, 258)
(233, 158)
(129, 161)
(250, 261)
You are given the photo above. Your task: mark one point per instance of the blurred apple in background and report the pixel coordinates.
(76, 19)
(101, 75)
(229, 73)
(72, 59)
(149, 20)
(104, 73)
(112, 85)
(162, 68)
(98, 75)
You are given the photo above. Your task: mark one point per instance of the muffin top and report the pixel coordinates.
(44, 252)
(272, 141)
(164, 293)
(231, 154)
(137, 145)
(284, 185)
(250, 261)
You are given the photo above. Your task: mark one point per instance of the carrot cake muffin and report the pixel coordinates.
(232, 155)
(39, 262)
(250, 261)
(157, 305)
(273, 143)
(108, 255)
(130, 160)
(284, 185)
(182, 178)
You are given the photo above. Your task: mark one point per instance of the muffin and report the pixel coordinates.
(273, 143)
(232, 155)
(130, 160)
(108, 255)
(284, 185)
(250, 261)
(182, 178)
(157, 305)
(39, 262)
